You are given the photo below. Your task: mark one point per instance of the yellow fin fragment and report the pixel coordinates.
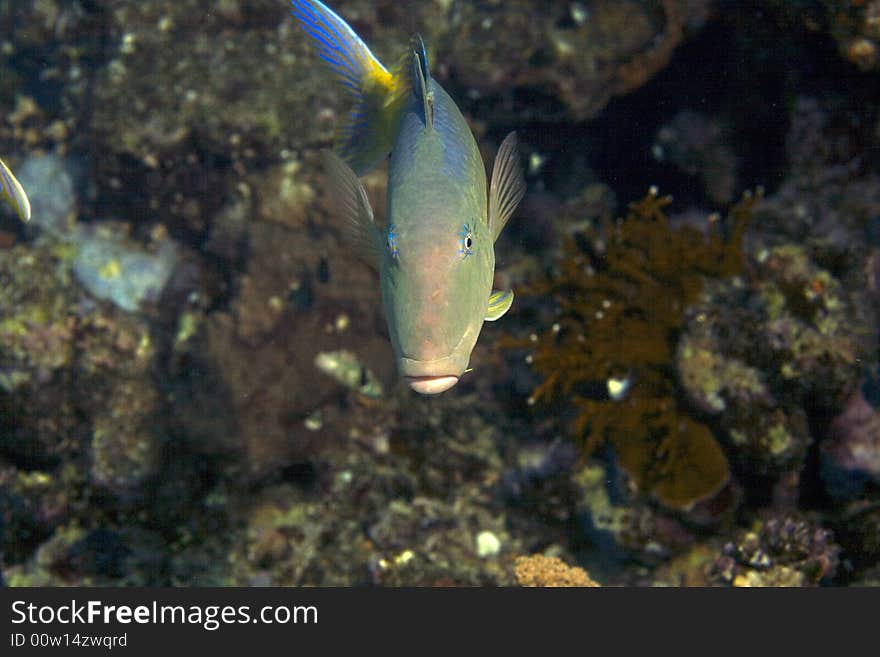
(13, 194)
(499, 303)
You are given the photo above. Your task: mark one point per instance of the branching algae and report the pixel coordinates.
(621, 291)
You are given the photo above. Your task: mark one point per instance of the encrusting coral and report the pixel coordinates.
(538, 570)
(790, 550)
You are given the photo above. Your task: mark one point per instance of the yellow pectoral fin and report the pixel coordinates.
(499, 303)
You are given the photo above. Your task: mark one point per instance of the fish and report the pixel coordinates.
(435, 252)
(13, 194)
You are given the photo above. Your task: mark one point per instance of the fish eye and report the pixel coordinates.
(391, 241)
(466, 241)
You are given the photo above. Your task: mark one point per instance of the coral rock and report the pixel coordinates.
(538, 570)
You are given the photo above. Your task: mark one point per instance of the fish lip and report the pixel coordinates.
(434, 375)
(431, 385)
(453, 364)
(446, 366)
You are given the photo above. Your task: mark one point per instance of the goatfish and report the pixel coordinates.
(12, 193)
(435, 254)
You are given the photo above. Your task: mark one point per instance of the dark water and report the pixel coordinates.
(197, 384)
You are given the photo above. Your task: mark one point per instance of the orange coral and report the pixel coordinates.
(538, 570)
(621, 300)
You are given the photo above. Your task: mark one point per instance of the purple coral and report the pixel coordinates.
(789, 550)
(851, 454)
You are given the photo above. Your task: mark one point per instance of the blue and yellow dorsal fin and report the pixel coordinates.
(365, 138)
(422, 80)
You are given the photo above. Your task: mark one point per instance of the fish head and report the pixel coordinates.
(436, 281)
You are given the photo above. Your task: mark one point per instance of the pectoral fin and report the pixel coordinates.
(354, 207)
(12, 193)
(499, 302)
(507, 186)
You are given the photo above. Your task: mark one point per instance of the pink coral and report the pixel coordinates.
(854, 438)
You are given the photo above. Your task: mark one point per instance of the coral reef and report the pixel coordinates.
(853, 24)
(779, 551)
(696, 144)
(851, 453)
(79, 407)
(762, 357)
(196, 386)
(413, 507)
(628, 529)
(538, 570)
(766, 339)
(578, 55)
(122, 273)
(776, 353)
(298, 298)
(182, 102)
(856, 27)
(857, 530)
(622, 291)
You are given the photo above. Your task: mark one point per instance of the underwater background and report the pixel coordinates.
(196, 381)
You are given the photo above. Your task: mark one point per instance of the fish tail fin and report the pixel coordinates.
(365, 138)
(421, 79)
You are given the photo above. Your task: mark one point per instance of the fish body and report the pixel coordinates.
(12, 193)
(437, 283)
(435, 253)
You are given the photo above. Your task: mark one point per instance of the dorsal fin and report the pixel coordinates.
(422, 79)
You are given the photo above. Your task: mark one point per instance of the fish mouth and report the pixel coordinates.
(431, 385)
(434, 375)
(431, 377)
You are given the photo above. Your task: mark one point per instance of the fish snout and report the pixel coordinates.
(427, 348)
